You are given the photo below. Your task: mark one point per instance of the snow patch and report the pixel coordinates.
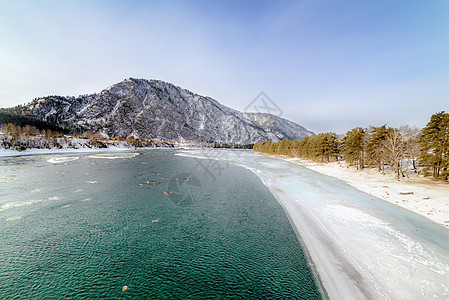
(114, 155)
(58, 160)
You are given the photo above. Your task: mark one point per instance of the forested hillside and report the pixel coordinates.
(14, 116)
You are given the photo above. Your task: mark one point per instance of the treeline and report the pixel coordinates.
(321, 147)
(30, 137)
(400, 149)
(233, 146)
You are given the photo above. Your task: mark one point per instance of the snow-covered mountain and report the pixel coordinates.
(154, 109)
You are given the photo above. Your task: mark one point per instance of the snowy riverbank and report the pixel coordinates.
(6, 153)
(361, 246)
(424, 196)
(118, 148)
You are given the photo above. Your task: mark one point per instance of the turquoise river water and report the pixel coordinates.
(153, 226)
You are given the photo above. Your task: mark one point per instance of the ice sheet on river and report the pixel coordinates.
(63, 159)
(114, 155)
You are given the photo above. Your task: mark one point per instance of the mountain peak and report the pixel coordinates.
(155, 109)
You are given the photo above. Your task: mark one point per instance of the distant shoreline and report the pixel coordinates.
(35, 151)
(28, 152)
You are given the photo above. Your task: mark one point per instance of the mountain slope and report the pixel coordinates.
(155, 109)
(278, 126)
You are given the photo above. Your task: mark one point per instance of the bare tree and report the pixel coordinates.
(411, 144)
(48, 134)
(13, 131)
(394, 151)
(27, 129)
(92, 135)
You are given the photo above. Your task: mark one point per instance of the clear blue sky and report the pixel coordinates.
(329, 65)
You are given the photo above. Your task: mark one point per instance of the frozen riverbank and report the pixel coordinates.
(6, 153)
(420, 195)
(10, 153)
(362, 247)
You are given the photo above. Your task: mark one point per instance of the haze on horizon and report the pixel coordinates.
(330, 66)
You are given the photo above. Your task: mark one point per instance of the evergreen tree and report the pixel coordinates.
(354, 147)
(434, 143)
(375, 148)
(329, 146)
